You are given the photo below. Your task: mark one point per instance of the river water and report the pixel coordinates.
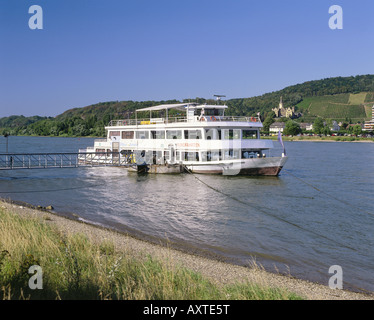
(318, 213)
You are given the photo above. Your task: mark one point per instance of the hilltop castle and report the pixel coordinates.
(285, 112)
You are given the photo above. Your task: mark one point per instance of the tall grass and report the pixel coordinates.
(76, 268)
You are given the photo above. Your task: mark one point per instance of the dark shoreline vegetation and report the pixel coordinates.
(346, 99)
(74, 267)
(321, 138)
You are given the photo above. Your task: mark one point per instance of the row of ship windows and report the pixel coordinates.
(210, 134)
(218, 155)
(158, 157)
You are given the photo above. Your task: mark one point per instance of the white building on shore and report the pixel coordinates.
(306, 126)
(276, 127)
(369, 125)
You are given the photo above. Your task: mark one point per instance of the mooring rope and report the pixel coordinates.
(327, 194)
(267, 213)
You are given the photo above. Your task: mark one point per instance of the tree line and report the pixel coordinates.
(71, 127)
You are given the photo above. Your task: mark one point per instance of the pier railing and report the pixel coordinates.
(10, 161)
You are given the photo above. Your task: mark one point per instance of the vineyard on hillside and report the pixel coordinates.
(339, 106)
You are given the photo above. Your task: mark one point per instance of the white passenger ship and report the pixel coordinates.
(196, 137)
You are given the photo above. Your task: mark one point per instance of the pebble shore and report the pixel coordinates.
(217, 271)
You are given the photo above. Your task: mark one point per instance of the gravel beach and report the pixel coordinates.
(217, 271)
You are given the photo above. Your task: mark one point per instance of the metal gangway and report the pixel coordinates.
(11, 161)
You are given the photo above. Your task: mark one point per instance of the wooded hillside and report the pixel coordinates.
(331, 98)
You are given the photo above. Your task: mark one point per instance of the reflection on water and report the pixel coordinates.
(317, 213)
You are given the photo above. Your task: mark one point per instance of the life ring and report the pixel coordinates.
(253, 119)
(202, 119)
(123, 123)
(213, 118)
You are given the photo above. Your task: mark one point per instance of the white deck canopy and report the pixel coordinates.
(187, 107)
(179, 106)
(182, 107)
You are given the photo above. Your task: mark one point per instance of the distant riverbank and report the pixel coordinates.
(322, 139)
(284, 138)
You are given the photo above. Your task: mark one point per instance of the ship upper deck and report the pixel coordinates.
(195, 115)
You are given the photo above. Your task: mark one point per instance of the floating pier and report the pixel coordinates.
(12, 161)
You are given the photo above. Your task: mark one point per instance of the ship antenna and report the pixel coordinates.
(218, 97)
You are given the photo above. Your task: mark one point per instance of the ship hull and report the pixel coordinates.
(156, 168)
(246, 167)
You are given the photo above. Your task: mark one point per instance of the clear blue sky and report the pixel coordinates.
(92, 51)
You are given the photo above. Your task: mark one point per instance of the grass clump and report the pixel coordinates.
(73, 267)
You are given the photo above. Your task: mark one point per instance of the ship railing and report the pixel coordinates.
(147, 121)
(232, 118)
(99, 140)
(101, 159)
(88, 149)
(119, 123)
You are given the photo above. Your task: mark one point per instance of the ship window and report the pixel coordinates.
(157, 156)
(177, 156)
(114, 133)
(158, 134)
(248, 154)
(213, 134)
(249, 134)
(192, 134)
(190, 156)
(100, 152)
(212, 112)
(127, 134)
(231, 134)
(214, 155)
(173, 134)
(232, 154)
(142, 135)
